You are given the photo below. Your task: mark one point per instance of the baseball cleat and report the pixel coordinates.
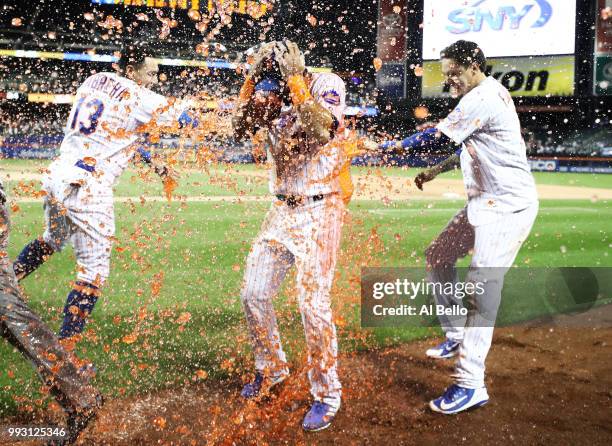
(446, 349)
(319, 417)
(261, 385)
(457, 399)
(77, 423)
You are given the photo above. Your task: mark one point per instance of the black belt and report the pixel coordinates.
(295, 200)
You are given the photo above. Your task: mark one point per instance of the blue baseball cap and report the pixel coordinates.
(268, 84)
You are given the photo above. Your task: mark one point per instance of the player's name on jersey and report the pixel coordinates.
(107, 85)
(522, 76)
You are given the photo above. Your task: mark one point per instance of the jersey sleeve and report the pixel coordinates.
(329, 91)
(152, 106)
(470, 115)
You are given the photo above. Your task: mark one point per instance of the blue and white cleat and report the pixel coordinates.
(319, 417)
(261, 385)
(446, 349)
(457, 399)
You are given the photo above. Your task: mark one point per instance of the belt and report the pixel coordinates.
(296, 200)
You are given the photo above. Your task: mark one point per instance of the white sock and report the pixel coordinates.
(333, 402)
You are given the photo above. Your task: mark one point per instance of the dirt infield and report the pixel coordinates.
(548, 385)
(376, 187)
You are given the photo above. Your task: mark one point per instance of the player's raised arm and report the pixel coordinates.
(320, 118)
(242, 121)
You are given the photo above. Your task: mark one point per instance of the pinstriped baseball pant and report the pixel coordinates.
(31, 336)
(307, 236)
(495, 246)
(83, 215)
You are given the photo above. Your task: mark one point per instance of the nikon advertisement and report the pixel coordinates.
(522, 76)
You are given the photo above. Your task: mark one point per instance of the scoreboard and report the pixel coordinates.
(251, 7)
(530, 45)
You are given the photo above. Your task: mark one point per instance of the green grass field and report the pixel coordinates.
(171, 307)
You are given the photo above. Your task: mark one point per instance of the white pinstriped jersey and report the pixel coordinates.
(317, 172)
(102, 125)
(494, 163)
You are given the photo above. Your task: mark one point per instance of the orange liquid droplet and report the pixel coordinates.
(377, 62)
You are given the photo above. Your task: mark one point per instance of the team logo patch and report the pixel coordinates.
(331, 97)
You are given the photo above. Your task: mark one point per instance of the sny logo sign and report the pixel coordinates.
(474, 17)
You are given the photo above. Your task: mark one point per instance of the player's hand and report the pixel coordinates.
(366, 145)
(290, 59)
(391, 147)
(423, 177)
(264, 52)
(425, 126)
(166, 172)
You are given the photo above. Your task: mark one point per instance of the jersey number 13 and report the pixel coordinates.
(95, 107)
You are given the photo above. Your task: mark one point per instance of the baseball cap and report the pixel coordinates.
(268, 84)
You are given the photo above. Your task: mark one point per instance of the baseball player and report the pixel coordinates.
(111, 111)
(303, 114)
(484, 129)
(31, 336)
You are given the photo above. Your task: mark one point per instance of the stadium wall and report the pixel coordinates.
(46, 147)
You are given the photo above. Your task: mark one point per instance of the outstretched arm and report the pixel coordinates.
(157, 113)
(427, 140)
